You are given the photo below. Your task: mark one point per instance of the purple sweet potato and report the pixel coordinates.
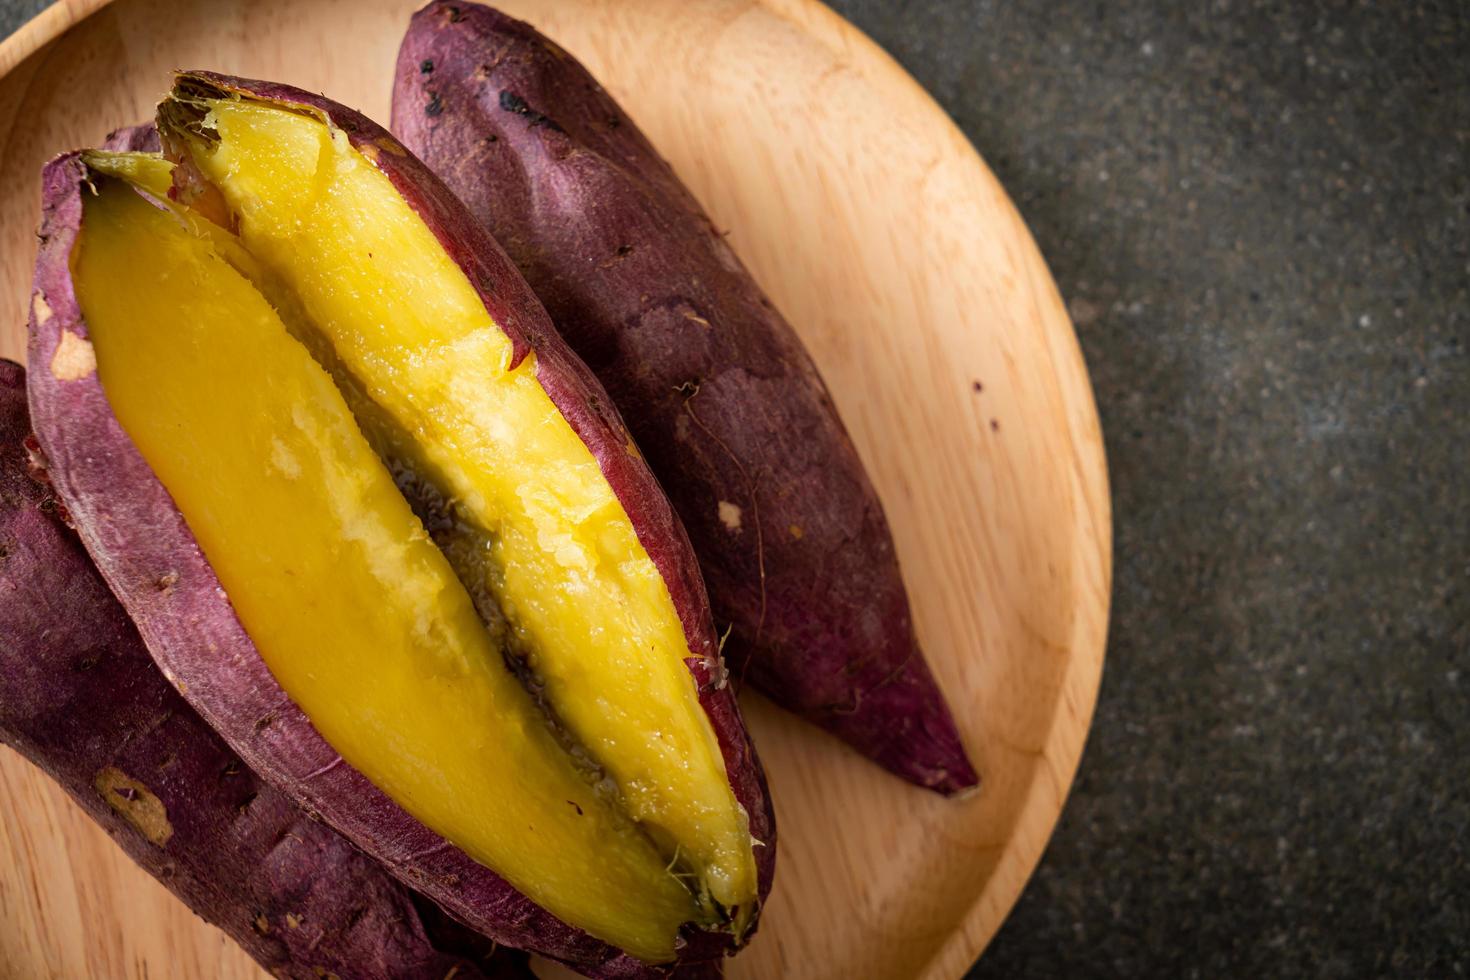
(715, 384)
(171, 581)
(82, 700)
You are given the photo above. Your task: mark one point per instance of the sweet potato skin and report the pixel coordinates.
(149, 557)
(717, 387)
(81, 698)
(142, 138)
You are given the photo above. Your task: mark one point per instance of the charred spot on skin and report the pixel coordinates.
(492, 138)
(58, 510)
(451, 15)
(620, 253)
(246, 803)
(136, 804)
(435, 105)
(511, 102)
(426, 66)
(355, 914)
(264, 722)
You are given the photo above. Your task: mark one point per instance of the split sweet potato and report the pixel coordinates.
(82, 700)
(715, 384)
(387, 534)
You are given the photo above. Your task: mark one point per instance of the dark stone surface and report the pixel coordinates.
(14, 13)
(1258, 213)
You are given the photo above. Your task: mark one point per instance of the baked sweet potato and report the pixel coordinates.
(387, 535)
(715, 384)
(82, 700)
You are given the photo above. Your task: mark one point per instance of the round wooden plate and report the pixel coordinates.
(878, 230)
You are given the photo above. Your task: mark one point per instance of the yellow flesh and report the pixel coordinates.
(149, 171)
(587, 607)
(354, 610)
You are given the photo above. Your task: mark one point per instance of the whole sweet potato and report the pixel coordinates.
(82, 700)
(715, 384)
(233, 478)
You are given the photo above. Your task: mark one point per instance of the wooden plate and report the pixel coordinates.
(879, 231)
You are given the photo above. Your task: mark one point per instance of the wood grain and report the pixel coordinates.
(879, 231)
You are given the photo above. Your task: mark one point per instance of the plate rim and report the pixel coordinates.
(46, 26)
(1077, 696)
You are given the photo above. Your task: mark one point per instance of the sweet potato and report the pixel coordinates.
(499, 677)
(715, 384)
(82, 700)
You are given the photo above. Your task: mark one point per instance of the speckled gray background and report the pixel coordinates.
(1260, 216)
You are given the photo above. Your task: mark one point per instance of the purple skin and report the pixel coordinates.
(144, 549)
(142, 138)
(82, 700)
(718, 389)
